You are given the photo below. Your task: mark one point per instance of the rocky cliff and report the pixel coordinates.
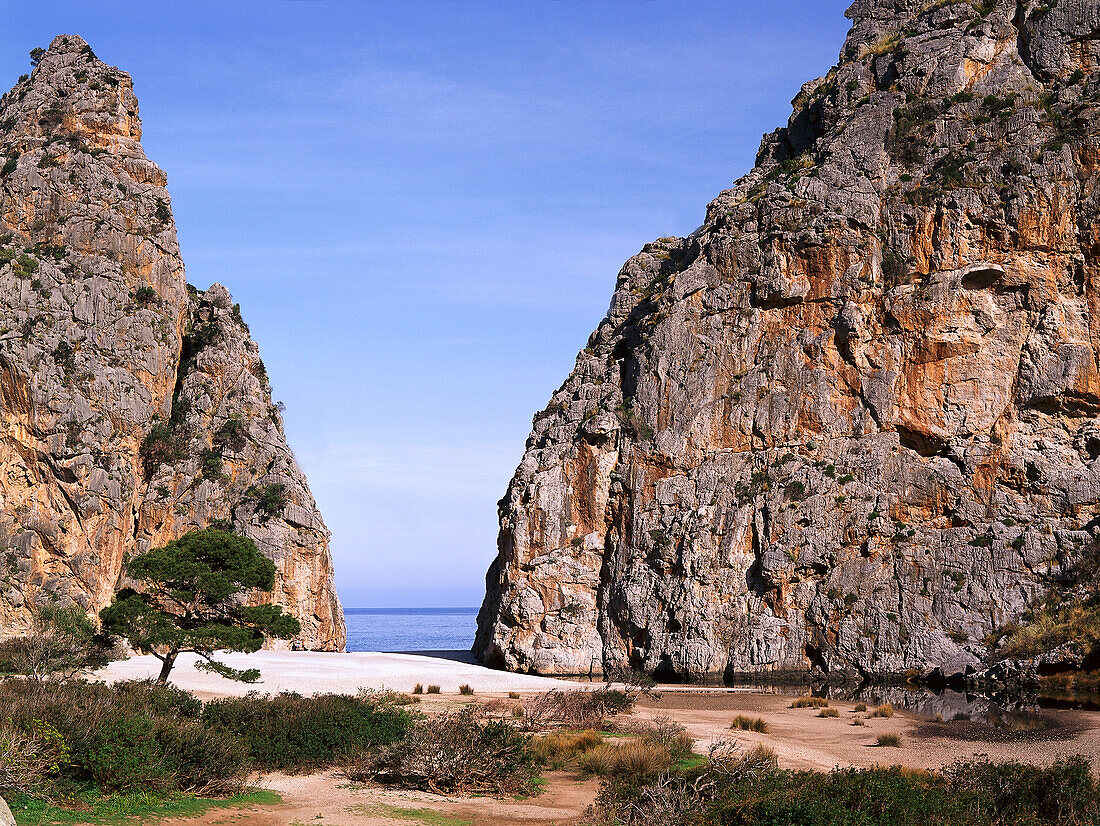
(850, 423)
(132, 407)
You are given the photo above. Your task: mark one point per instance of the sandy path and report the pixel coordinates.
(329, 800)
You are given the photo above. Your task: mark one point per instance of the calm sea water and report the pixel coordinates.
(411, 629)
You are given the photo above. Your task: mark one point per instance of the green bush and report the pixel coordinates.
(755, 793)
(210, 464)
(145, 295)
(293, 733)
(128, 737)
(232, 435)
(165, 443)
(270, 499)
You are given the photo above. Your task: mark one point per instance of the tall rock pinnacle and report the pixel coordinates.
(132, 407)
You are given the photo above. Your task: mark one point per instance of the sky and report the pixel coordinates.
(422, 206)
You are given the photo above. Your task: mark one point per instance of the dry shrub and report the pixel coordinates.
(860, 707)
(670, 734)
(810, 702)
(457, 752)
(465, 689)
(744, 723)
(62, 644)
(828, 712)
(891, 740)
(433, 689)
(673, 798)
(513, 695)
(557, 749)
(858, 721)
(418, 689)
(494, 705)
(30, 760)
(576, 709)
(885, 710)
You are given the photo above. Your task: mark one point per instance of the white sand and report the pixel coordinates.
(320, 673)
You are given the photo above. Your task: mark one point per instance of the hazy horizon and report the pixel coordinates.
(422, 207)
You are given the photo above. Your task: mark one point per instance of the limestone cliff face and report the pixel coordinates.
(132, 409)
(850, 423)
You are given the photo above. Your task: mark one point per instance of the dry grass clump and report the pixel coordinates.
(513, 695)
(810, 702)
(637, 758)
(744, 723)
(891, 740)
(858, 721)
(884, 710)
(887, 44)
(418, 689)
(755, 761)
(433, 689)
(386, 697)
(1051, 624)
(860, 707)
(633, 758)
(558, 749)
(655, 749)
(828, 712)
(465, 690)
(457, 752)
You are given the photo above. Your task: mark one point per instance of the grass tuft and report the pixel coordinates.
(810, 702)
(744, 723)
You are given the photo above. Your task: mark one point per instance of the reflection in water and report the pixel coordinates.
(940, 705)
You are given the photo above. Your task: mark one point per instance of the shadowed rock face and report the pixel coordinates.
(849, 424)
(104, 348)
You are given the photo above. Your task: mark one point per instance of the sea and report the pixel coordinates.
(411, 629)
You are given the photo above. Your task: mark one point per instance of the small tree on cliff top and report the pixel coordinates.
(191, 602)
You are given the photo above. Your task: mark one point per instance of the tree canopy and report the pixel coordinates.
(192, 599)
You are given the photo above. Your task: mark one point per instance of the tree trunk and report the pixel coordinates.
(166, 667)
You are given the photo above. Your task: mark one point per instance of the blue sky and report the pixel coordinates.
(422, 206)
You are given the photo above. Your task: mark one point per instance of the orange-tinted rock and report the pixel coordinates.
(849, 423)
(101, 341)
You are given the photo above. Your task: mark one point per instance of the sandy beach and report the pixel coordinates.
(307, 672)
